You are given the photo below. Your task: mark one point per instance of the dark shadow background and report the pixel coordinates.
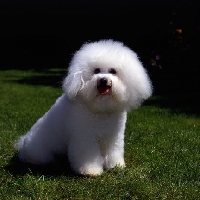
(39, 35)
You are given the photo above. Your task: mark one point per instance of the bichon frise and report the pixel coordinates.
(87, 123)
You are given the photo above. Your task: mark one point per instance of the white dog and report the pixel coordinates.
(87, 123)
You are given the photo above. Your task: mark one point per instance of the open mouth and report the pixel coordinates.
(103, 89)
(104, 85)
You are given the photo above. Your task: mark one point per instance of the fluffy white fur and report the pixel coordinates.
(105, 80)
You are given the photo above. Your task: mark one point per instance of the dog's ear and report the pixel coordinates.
(72, 84)
(139, 84)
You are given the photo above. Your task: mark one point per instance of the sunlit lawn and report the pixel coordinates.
(162, 149)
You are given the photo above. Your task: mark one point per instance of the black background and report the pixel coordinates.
(43, 34)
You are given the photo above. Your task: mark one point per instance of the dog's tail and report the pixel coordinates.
(19, 144)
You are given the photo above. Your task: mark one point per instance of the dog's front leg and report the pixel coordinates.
(84, 157)
(114, 154)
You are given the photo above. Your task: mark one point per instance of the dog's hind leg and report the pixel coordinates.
(33, 151)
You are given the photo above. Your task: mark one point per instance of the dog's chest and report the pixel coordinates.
(107, 124)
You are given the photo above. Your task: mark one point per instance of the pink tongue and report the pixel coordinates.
(103, 90)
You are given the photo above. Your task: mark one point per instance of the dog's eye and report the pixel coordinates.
(97, 71)
(112, 71)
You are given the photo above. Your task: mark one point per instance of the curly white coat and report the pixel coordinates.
(86, 123)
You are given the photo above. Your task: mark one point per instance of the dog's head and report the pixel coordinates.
(107, 76)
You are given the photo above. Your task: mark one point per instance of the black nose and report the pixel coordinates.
(103, 81)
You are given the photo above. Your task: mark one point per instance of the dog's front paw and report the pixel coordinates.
(89, 170)
(93, 171)
(110, 163)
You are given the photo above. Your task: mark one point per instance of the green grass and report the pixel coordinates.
(162, 149)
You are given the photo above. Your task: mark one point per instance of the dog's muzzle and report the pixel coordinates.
(104, 85)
